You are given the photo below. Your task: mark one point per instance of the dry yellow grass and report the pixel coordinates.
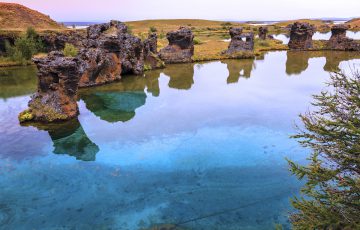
(17, 17)
(316, 23)
(354, 24)
(167, 25)
(210, 34)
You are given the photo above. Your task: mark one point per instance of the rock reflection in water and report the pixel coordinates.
(181, 75)
(118, 101)
(70, 138)
(298, 61)
(239, 68)
(17, 81)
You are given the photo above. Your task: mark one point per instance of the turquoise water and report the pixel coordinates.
(195, 146)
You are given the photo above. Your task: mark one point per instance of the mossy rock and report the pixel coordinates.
(26, 116)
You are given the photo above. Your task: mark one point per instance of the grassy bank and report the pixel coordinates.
(211, 37)
(7, 62)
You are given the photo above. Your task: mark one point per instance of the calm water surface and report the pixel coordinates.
(199, 146)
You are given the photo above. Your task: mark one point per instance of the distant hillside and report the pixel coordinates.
(354, 23)
(315, 22)
(17, 17)
(172, 24)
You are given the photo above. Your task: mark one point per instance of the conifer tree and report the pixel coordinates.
(331, 195)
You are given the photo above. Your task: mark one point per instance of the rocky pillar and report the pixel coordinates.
(263, 32)
(339, 41)
(301, 36)
(240, 41)
(180, 48)
(55, 99)
(151, 57)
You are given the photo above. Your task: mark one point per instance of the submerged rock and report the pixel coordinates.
(58, 80)
(339, 41)
(240, 41)
(301, 36)
(263, 32)
(180, 48)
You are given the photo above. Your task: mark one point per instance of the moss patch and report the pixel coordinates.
(41, 112)
(26, 116)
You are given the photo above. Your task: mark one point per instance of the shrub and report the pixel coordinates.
(152, 29)
(24, 47)
(332, 132)
(70, 50)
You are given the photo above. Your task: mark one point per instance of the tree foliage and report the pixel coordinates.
(332, 191)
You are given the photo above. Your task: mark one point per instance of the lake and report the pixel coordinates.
(197, 146)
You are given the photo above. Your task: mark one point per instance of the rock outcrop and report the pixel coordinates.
(106, 52)
(151, 57)
(301, 36)
(6, 38)
(101, 67)
(180, 48)
(339, 41)
(240, 41)
(114, 38)
(263, 32)
(55, 41)
(58, 80)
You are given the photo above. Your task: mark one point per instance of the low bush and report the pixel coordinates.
(152, 29)
(70, 50)
(24, 47)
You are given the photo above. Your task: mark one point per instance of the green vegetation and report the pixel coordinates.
(39, 110)
(24, 47)
(70, 50)
(197, 41)
(332, 132)
(25, 116)
(147, 67)
(152, 29)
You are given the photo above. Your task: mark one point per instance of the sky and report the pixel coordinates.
(235, 10)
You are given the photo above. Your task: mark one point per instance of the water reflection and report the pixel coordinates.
(118, 101)
(70, 138)
(170, 163)
(17, 81)
(239, 69)
(298, 61)
(181, 75)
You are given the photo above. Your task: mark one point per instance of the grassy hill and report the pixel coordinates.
(17, 17)
(354, 23)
